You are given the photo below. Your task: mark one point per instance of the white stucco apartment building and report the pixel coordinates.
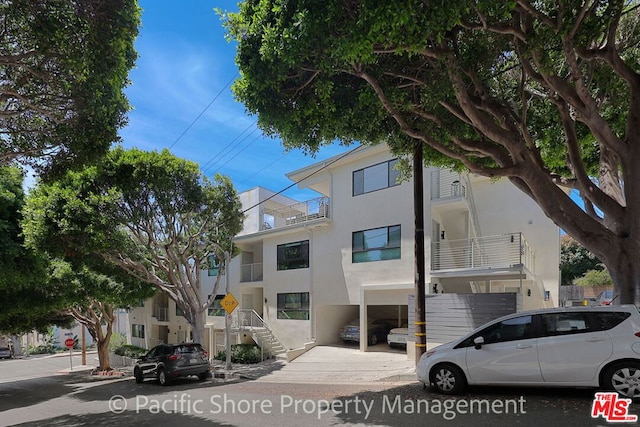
(308, 267)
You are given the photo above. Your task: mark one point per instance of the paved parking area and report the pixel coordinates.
(336, 365)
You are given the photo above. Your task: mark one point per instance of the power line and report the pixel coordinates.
(203, 111)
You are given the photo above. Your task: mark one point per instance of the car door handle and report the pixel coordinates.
(523, 346)
(595, 339)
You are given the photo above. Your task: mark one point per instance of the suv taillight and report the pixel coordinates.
(205, 354)
(173, 357)
(637, 334)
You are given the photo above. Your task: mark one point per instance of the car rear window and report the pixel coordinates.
(191, 348)
(608, 320)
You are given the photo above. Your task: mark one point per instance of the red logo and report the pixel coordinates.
(612, 408)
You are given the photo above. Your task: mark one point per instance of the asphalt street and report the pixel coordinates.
(263, 395)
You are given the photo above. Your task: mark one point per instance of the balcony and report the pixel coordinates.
(507, 251)
(251, 272)
(448, 185)
(161, 313)
(298, 213)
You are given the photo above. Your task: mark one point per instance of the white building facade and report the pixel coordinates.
(307, 268)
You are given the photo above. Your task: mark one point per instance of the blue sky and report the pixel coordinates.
(184, 65)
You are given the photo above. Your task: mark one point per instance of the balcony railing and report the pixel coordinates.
(503, 251)
(251, 272)
(161, 313)
(295, 214)
(446, 184)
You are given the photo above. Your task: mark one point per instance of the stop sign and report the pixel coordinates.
(69, 342)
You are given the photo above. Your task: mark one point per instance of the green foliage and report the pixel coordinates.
(575, 260)
(129, 350)
(64, 67)
(242, 353)
(594, 278)
(117, 340)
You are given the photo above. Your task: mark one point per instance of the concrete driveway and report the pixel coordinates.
(338, 365)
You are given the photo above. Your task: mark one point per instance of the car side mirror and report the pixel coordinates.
(478, 341)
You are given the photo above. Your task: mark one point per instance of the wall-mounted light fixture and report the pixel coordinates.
(528, 292)
(265, 300)
(442, 235)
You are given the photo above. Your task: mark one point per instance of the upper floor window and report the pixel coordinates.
(375, 177)
(293, 255)
(377, 244)
(214, 265)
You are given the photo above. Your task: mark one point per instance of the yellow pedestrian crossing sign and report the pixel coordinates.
(229, 303)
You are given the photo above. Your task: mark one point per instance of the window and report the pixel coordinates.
(293, 255)
(517, 328)
(375, 177)
(137, 331)
(179, 312)
(580, 322)
(216, 308)
(377, 244)
(214, 265)
(293, 306)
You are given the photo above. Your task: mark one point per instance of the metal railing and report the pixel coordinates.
(247, 319)
(297, 213)
(502, 251)
(251, 272)
(448, 184)
(161, 313)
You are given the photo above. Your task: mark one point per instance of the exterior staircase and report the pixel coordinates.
(249, 321)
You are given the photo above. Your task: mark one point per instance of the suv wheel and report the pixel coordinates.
(447, 379)
(373, 340)
(624, 378)
(137, 373)
(163, 379)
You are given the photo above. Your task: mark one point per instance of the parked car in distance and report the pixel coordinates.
(166, 362)
(6, 353)
(377, 331)
(604, 298)
(562, 347)
(398, 336)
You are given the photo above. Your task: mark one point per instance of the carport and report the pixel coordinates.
(383, 302)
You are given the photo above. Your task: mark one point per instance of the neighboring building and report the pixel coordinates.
(307, 268)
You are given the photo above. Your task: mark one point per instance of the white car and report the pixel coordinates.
(398, 336)
(562, 347)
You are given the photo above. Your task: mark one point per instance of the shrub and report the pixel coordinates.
(132, 351)
(242, 353)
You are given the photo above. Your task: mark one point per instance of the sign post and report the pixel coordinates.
(229, 303)
(69, 343)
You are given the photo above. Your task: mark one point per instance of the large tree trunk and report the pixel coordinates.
(624, 268)
(197, 326)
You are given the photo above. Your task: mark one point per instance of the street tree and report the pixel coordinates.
(63, 67)
(26, 301)
(544, 93)
(151, 214)
(91, 298)
(575, 260)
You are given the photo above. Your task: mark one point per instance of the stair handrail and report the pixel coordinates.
(256, 321)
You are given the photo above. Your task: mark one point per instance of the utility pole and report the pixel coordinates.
(419, 279)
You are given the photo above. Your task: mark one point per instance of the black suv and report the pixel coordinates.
(169, 361)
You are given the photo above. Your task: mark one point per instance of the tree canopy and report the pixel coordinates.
(63, 66)
(545, 93)
(150, 214)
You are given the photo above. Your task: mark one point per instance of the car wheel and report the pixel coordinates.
(447, 379)
(137, 373)
(163, 379)
(373, 340)
(624, 378)
(203, 376)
